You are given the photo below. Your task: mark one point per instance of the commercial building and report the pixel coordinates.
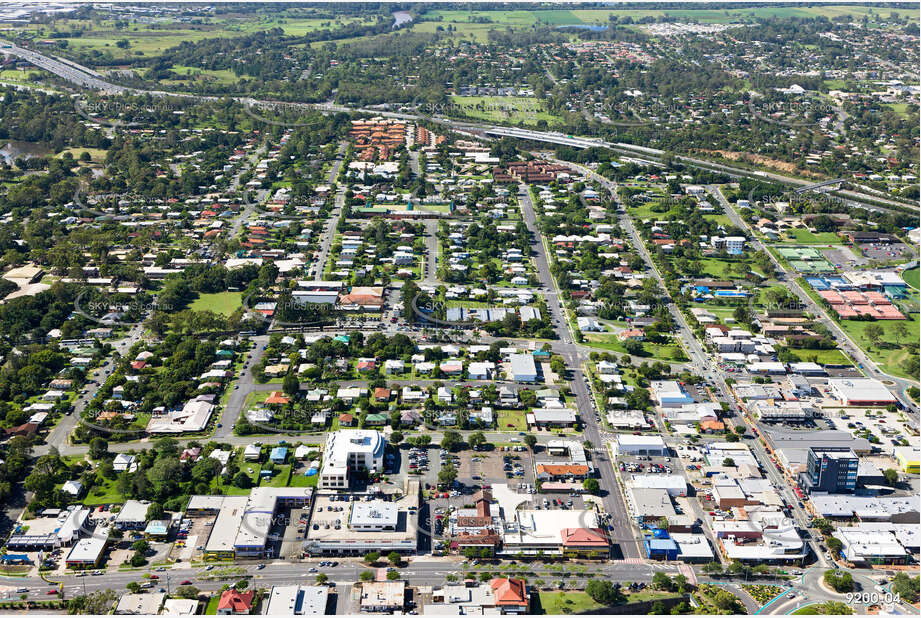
(87, 553)
(909, 458)
(767, 537)
(499, 596)
(895, 509)
(629, 444)
(230, 514)
(674, 484)
(522, 368)
(554, 532)
(867, 546)
(260, 515)
(140, 604)
(132, 516)
(341, 526)
(649, 505)
(350, 449)
(297, 601)
(670, 394)
(376, 515)
(831, 470)
(861, 392)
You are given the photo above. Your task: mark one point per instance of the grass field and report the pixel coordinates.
(97, 155)
(225, 76)
(517, 110)
(566, 603)
(515, 418)
(104, 493)
(667, 352)
(912, 277)
(823, 357)
(211, 608)
(224, 303)
(805, 237)
(889, 359)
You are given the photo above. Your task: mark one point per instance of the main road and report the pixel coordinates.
(574, 355)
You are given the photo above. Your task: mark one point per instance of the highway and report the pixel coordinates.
(85, 79)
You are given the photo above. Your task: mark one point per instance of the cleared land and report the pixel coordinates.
(224, 303)
(517, 110)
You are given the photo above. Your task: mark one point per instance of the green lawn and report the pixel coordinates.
(301, 480)
(889, 359)
(911, 277)
(568, 602)
(517, 110)
(224, 76)
(211, 608)
(654, 351)
(805, 237)
(224, 303)
(280, 478)
(823, 357)
(109, 494)
(515, 418)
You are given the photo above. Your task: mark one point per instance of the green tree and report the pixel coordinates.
(591, 486)
(874, 332)
(661, 581)
(605, 592)
(451, 440)
(372, 556)
(393, 575)
(476, 440)
(906, 587)
(447, 475)
(394, 558)
(99, 448)
(530, 441)
(321, 578)
(187, 592)
(892, 476)
(366, 576)
(839, 581)
(396, 437)
(133, 587)
(291, 385)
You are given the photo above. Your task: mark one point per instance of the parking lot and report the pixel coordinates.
(292, 531)
(192, 547)
(886, 252)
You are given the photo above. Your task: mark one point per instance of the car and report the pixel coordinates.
(186, 582)
(52, 591)
(262, 566)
